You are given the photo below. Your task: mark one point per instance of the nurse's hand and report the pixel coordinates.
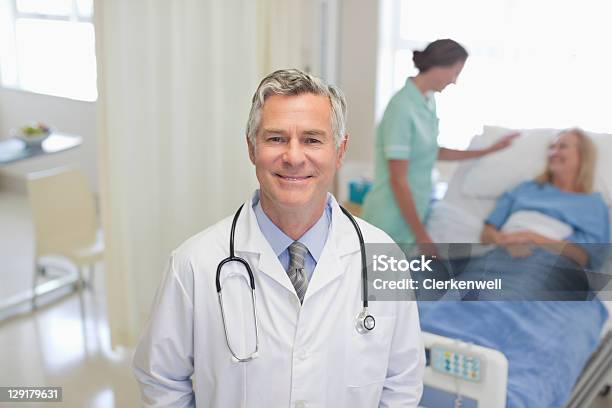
(502, 143)
(426, 245)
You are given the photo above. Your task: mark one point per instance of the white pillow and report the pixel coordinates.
(493, 174)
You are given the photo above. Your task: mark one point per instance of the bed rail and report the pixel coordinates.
(596, 374)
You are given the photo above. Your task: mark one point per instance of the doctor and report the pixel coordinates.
(304, 253)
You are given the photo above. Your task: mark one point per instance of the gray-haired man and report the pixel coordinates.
(294, 343)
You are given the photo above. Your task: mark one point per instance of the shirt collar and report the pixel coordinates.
(416, 94)
(314, 239)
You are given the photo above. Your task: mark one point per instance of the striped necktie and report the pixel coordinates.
(297, 254)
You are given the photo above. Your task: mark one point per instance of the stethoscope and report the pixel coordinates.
(364, 322)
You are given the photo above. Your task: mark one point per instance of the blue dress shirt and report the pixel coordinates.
(314, 239)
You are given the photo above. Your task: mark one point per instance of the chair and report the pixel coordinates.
(65, 222)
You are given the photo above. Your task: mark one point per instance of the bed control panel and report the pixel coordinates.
(465, 366)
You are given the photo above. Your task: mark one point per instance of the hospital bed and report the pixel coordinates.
(462, 372)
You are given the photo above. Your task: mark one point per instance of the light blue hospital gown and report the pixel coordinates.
(587, 214)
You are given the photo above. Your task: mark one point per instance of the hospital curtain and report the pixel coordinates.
(175, 82)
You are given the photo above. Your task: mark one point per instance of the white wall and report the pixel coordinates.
(69, 116)
(358, 61)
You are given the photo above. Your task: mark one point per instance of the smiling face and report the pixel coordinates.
(564, 156)
(442, 76)
(295, 155)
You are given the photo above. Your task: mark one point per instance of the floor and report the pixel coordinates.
(66, 342)
(17, 250)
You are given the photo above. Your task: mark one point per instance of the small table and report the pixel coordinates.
(14, 149)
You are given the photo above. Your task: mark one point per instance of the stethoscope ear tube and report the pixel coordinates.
(233, 258)
(253, 354)
(364, 266)
(365, 322)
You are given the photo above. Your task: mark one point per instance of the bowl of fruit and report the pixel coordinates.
(33, 133)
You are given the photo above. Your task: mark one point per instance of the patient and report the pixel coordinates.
(558, 210)
(551, 232)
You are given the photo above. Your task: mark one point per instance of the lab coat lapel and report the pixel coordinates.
(249, 239)
(341, 241)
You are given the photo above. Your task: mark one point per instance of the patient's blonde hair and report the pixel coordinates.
(586, 171)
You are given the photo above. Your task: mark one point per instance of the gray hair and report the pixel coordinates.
(296, 82)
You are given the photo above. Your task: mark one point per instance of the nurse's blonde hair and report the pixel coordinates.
(587, 155)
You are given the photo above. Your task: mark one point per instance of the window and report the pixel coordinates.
(532, 63)
(48, 47)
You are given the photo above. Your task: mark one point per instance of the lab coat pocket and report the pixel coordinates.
(368, 354)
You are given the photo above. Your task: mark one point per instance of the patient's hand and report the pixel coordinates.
(526, 237)
(517, 244)
(507, 238)
(491, 235)
(518, 250)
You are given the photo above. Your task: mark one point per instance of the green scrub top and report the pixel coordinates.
(408, 131)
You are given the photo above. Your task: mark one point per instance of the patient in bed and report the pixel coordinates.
(558, 210)
(551, 232)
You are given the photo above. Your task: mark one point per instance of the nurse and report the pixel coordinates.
(304, 253)
(407, 147)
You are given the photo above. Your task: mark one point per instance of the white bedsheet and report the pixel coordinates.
(539, 223)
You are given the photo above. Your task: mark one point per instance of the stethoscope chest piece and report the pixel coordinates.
(365, 322)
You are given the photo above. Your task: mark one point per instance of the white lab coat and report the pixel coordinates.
(309, 355)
